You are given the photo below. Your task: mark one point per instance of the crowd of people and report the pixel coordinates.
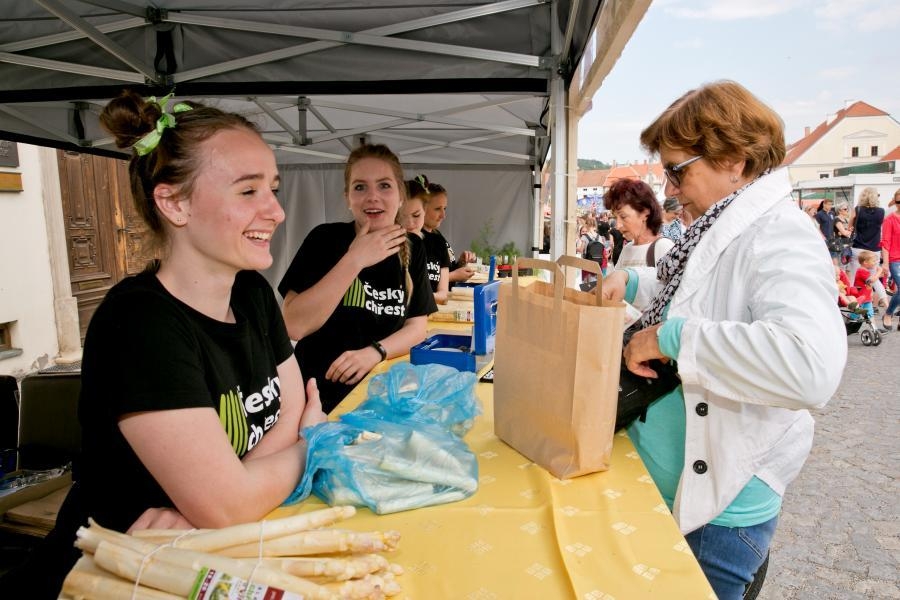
(865, 249)
(213, 396)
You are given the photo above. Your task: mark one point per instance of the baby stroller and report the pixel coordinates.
(856, 320)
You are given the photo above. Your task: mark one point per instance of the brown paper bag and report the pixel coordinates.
(556, 370)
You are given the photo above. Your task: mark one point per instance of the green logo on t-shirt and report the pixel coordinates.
(231, 413)
(355, 295)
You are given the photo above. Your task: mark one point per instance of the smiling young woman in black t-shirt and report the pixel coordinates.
(357, 293)
(191, 403)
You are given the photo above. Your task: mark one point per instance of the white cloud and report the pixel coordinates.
(861, 15)
(731, 10)
(694, 43)
(838, 72)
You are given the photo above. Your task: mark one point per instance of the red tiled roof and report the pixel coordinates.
(892, 155)
(606, 177)
(622, 172)
(857, 109)
(591, 178)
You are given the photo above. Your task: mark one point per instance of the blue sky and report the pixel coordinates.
(804, 58)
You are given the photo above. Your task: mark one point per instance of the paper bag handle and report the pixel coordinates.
(538, 263)
(590, 266)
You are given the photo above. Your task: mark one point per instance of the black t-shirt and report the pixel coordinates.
(146, 350)
(825, 219)
(373, 307)
(867, 232)
(436, 256)
(451, 255)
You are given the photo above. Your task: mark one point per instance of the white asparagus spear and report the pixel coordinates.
(210, 540)
(93, 586)
(321, 541)
(338, 569)
(166, 534)
(90, 537)
(174, 579)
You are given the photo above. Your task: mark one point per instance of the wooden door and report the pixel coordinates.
(106, 238)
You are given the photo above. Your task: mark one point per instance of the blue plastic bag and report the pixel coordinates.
(385, 466)
(431, 393)
(400, 449)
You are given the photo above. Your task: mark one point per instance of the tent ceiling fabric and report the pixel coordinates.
(441, 82)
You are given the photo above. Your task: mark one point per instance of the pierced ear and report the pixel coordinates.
(170, 204)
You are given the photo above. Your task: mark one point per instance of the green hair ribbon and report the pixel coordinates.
(150, 141)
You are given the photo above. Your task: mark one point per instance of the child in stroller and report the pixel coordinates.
(856, 318)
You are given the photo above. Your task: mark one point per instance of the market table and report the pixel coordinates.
(525, 534)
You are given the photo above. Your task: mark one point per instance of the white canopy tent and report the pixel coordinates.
(471, 92)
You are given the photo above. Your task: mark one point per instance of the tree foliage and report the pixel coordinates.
(590, 164)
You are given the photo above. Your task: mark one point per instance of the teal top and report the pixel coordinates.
(660, 441)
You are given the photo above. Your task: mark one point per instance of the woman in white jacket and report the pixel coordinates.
(745, 305)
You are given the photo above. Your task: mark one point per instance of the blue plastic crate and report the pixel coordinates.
(445, 349)
(484, 330)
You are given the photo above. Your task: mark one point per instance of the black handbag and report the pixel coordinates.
(637, 393)
(835, 244)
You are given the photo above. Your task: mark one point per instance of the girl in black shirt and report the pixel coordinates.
(357, 293)
(191, 402)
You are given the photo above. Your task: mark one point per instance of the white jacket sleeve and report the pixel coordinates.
(773, 335)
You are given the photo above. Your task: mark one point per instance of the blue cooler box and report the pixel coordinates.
(464, 352)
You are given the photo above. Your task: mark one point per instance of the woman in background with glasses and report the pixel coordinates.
(745, 306)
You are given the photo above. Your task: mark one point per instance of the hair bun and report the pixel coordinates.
(129, 117)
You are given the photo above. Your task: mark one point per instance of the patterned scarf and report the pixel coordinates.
(670, 268)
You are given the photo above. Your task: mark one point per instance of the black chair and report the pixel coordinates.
(49, 432)
(9, 412)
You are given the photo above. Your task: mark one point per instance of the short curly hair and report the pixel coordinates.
(639, 196)
(722, 122)
(868, 198)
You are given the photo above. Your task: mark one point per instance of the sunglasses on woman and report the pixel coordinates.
(673, 172)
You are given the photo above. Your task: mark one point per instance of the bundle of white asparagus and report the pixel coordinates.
(293, 558)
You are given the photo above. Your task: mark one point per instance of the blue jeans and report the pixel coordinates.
(895, 299)
(730, 556)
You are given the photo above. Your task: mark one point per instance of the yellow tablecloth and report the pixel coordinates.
(525, 534)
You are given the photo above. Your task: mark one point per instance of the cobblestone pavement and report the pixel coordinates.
(839, 534)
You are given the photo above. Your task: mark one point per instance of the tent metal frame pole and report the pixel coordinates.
(429, 117)
(328, 126)
(286, 145)
(537, 213)
(119, 6)
(63, 13)
(35, 123)
(570, 31)
(67, 67)
(362, 129)
(295, 135)
(558, 144)
(69, 36)
(462, 144)
(393, 29)
(364, 39)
